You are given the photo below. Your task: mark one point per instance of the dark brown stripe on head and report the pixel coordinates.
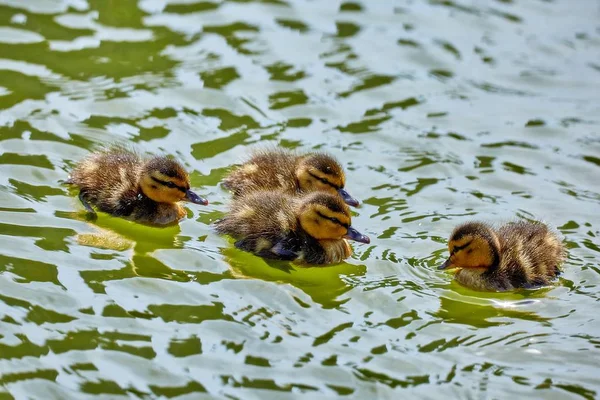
(334, 220)
(325, 181)
(169, 184)
(457, 248)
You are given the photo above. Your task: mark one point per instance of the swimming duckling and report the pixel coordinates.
(311, 228)
(279, 169)
(119, 182)
(517, 255)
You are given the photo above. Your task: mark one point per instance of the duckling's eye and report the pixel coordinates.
(337, 221)
(459, 248)
(332, 219)
(171, 185)
(325, 181)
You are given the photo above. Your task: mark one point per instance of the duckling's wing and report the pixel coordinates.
(283, 251)
(245, 244)
(279, 251)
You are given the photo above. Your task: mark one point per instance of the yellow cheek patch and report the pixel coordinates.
(337, 232)
(317, 222)
(305, 181)
(160, 193)
(325, 229)
(165, 195)
(324, 187)
(477, 254)
(310, 222)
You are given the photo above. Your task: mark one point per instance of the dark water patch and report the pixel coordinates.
(195, 7)
(175, 391)
(185, 347)
(219, 78)
(51, 239)
(280, 71)
(294, 25)
(523, 145)
(373, 376)
(326, 337)
(282, 100)
(189, 314)
(408, 42)
(592, 159)
(46, 374)
(351, 6)
(347, 29)
(367, 83)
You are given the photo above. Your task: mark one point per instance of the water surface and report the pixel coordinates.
(440, 111)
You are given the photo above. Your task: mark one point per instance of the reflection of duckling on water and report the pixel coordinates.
(119, 182)
(284, 170)
(517, 255)
(307, 229)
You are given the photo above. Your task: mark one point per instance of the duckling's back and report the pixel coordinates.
(109, 179)
(266, 214)
(266, 169)
(531, 254)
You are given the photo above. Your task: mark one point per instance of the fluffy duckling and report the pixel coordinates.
(311, 228)
(278, 169)
(517, 255)
(121, 183)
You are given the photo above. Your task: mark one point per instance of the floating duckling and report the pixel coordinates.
(310, 228)
(279, 169)
(517, 255)
(121, 183)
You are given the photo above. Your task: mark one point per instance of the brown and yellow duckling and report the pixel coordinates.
(311, 228)
(517, 255)
(284, 170)
(119, 182)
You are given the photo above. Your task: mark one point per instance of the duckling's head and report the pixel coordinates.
(322, 172)
(473, 245)
(325, 216)
(165, 181)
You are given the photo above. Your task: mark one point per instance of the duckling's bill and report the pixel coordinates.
(351, 201)
(194, 198)
(446, 265)
(355, 235)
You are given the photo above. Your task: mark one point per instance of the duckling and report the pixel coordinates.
(121, 183)
(517, 255)
(309, 228)
(292, 173)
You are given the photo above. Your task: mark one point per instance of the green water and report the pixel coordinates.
(440, 111)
